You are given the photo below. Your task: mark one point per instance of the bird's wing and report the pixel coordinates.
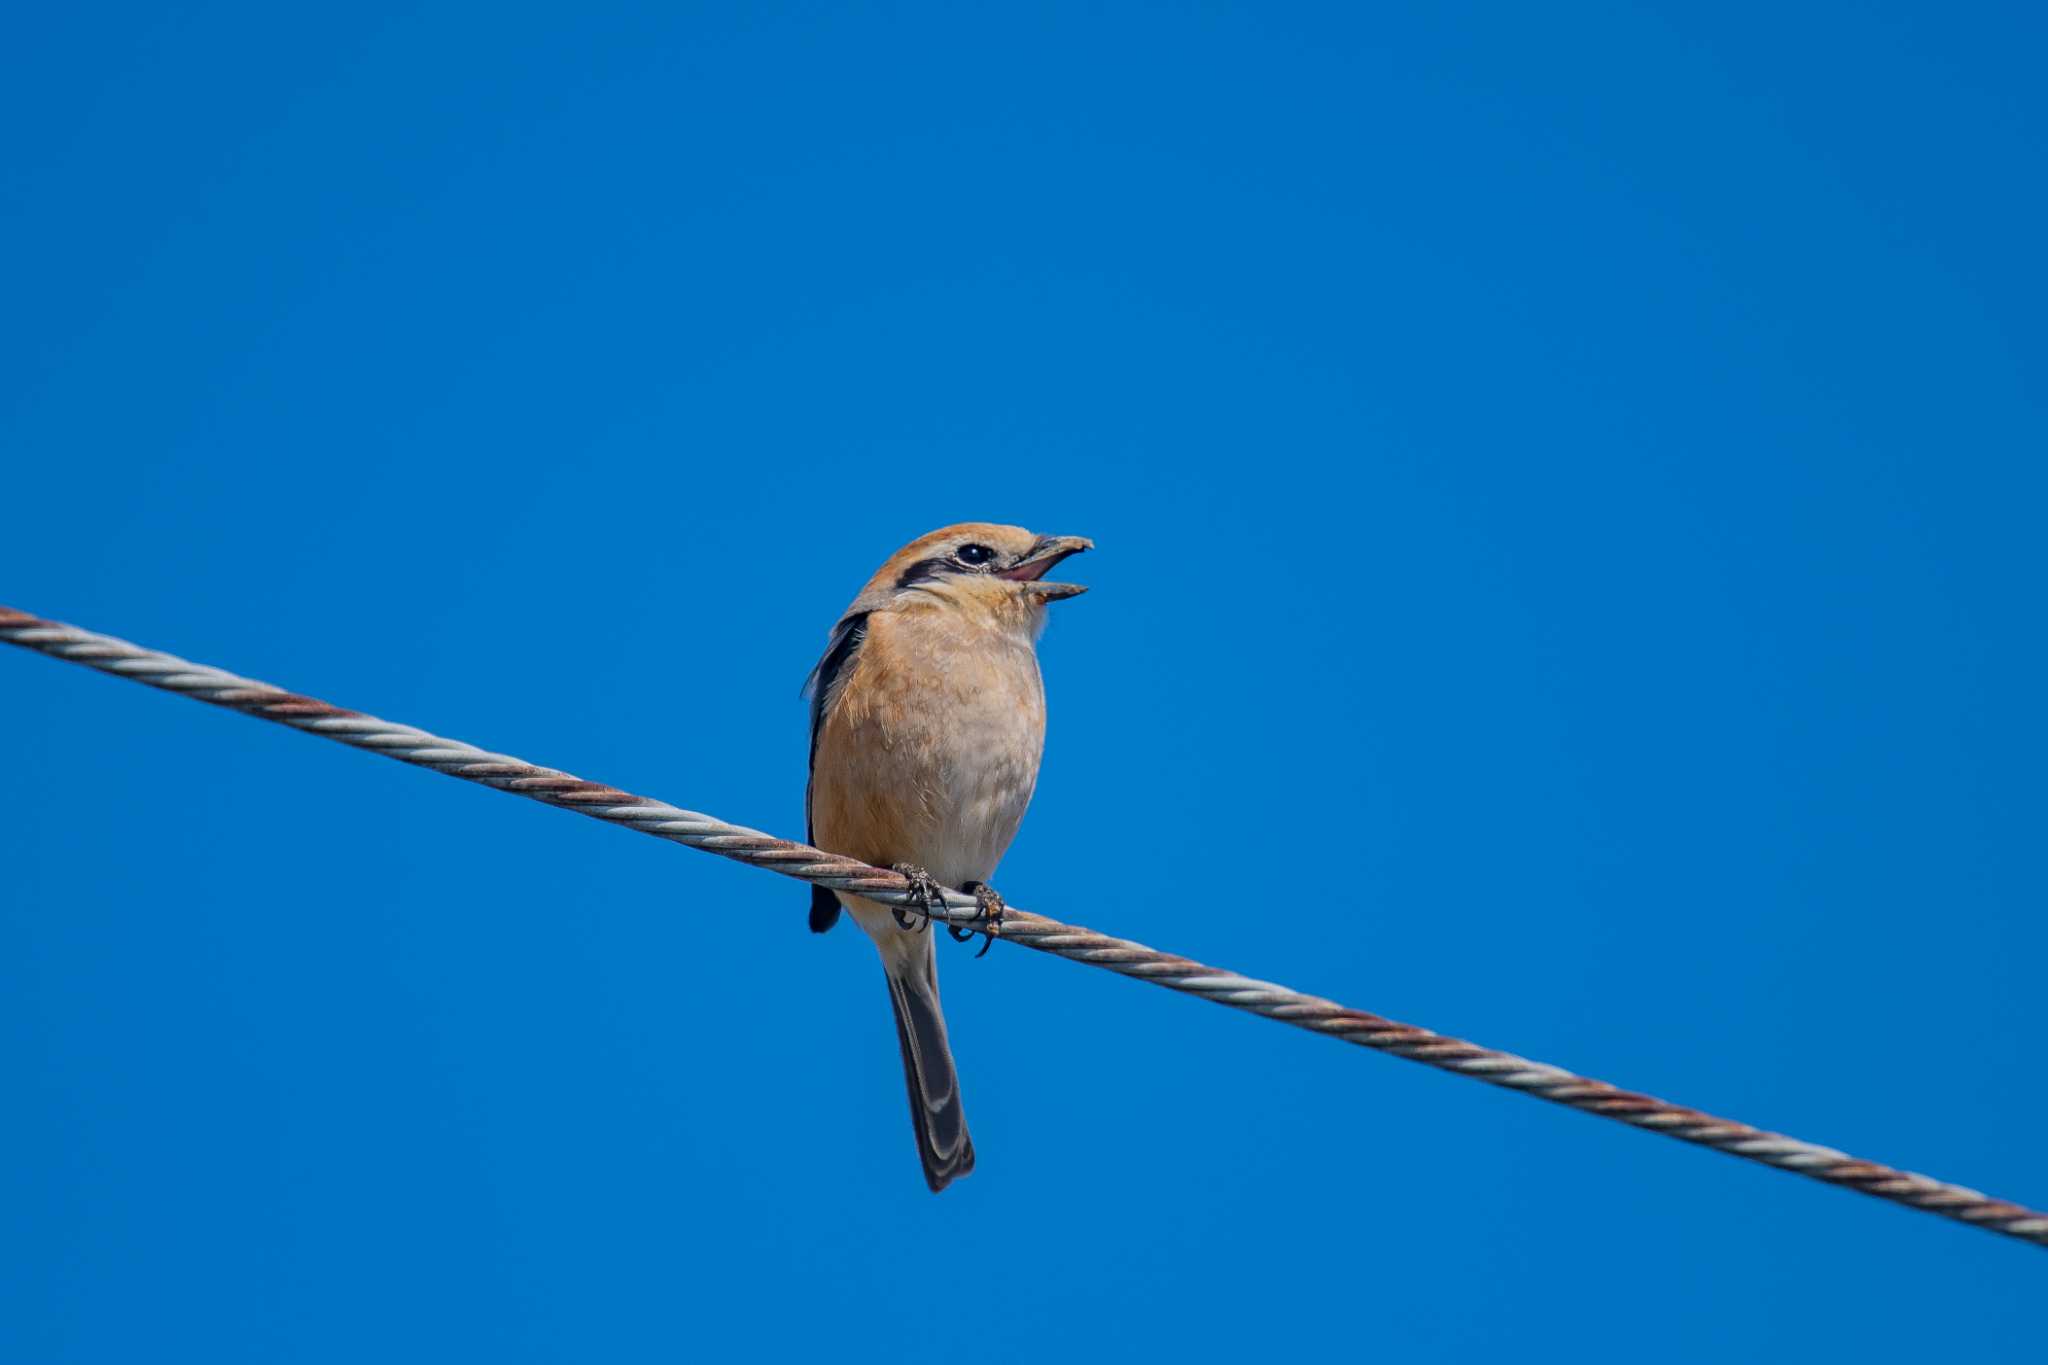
(822, 691)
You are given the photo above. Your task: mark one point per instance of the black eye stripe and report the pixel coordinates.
(920, 571)
(982, 560)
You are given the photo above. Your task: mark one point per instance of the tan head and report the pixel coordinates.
(975, 566)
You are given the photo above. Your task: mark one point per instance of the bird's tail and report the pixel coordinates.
(942, 1142)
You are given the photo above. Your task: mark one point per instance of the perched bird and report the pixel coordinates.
(927, 720)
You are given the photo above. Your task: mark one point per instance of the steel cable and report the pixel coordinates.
(1073, 942)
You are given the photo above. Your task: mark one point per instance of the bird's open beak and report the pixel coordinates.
(1049, 551)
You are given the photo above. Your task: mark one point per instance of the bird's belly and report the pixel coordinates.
(988, 767)
(937, 770)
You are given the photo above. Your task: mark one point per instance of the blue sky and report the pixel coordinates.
(1569, 486)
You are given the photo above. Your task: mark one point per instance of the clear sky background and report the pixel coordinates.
(1570, 489)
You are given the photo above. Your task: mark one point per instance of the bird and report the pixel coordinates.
(927, 717)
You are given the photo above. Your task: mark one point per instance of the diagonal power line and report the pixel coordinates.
(1073, 942)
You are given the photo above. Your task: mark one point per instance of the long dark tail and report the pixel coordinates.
(942, 1142)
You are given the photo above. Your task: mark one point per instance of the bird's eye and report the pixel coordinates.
(975, 554)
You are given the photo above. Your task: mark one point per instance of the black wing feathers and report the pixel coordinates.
(839, 651)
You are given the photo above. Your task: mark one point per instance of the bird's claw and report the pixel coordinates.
(924, 892)
(989, 902)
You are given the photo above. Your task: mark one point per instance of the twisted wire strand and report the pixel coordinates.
(1317, 1015)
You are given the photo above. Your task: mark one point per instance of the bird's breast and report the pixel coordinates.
(930, 751)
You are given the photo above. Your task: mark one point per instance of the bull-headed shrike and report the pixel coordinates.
(927, 721)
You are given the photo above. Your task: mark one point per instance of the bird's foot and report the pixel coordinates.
(925, 893)
(989, 902)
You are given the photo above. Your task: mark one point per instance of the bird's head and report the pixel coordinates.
(978, 567)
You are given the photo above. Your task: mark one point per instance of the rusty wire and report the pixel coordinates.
(1073, 942)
